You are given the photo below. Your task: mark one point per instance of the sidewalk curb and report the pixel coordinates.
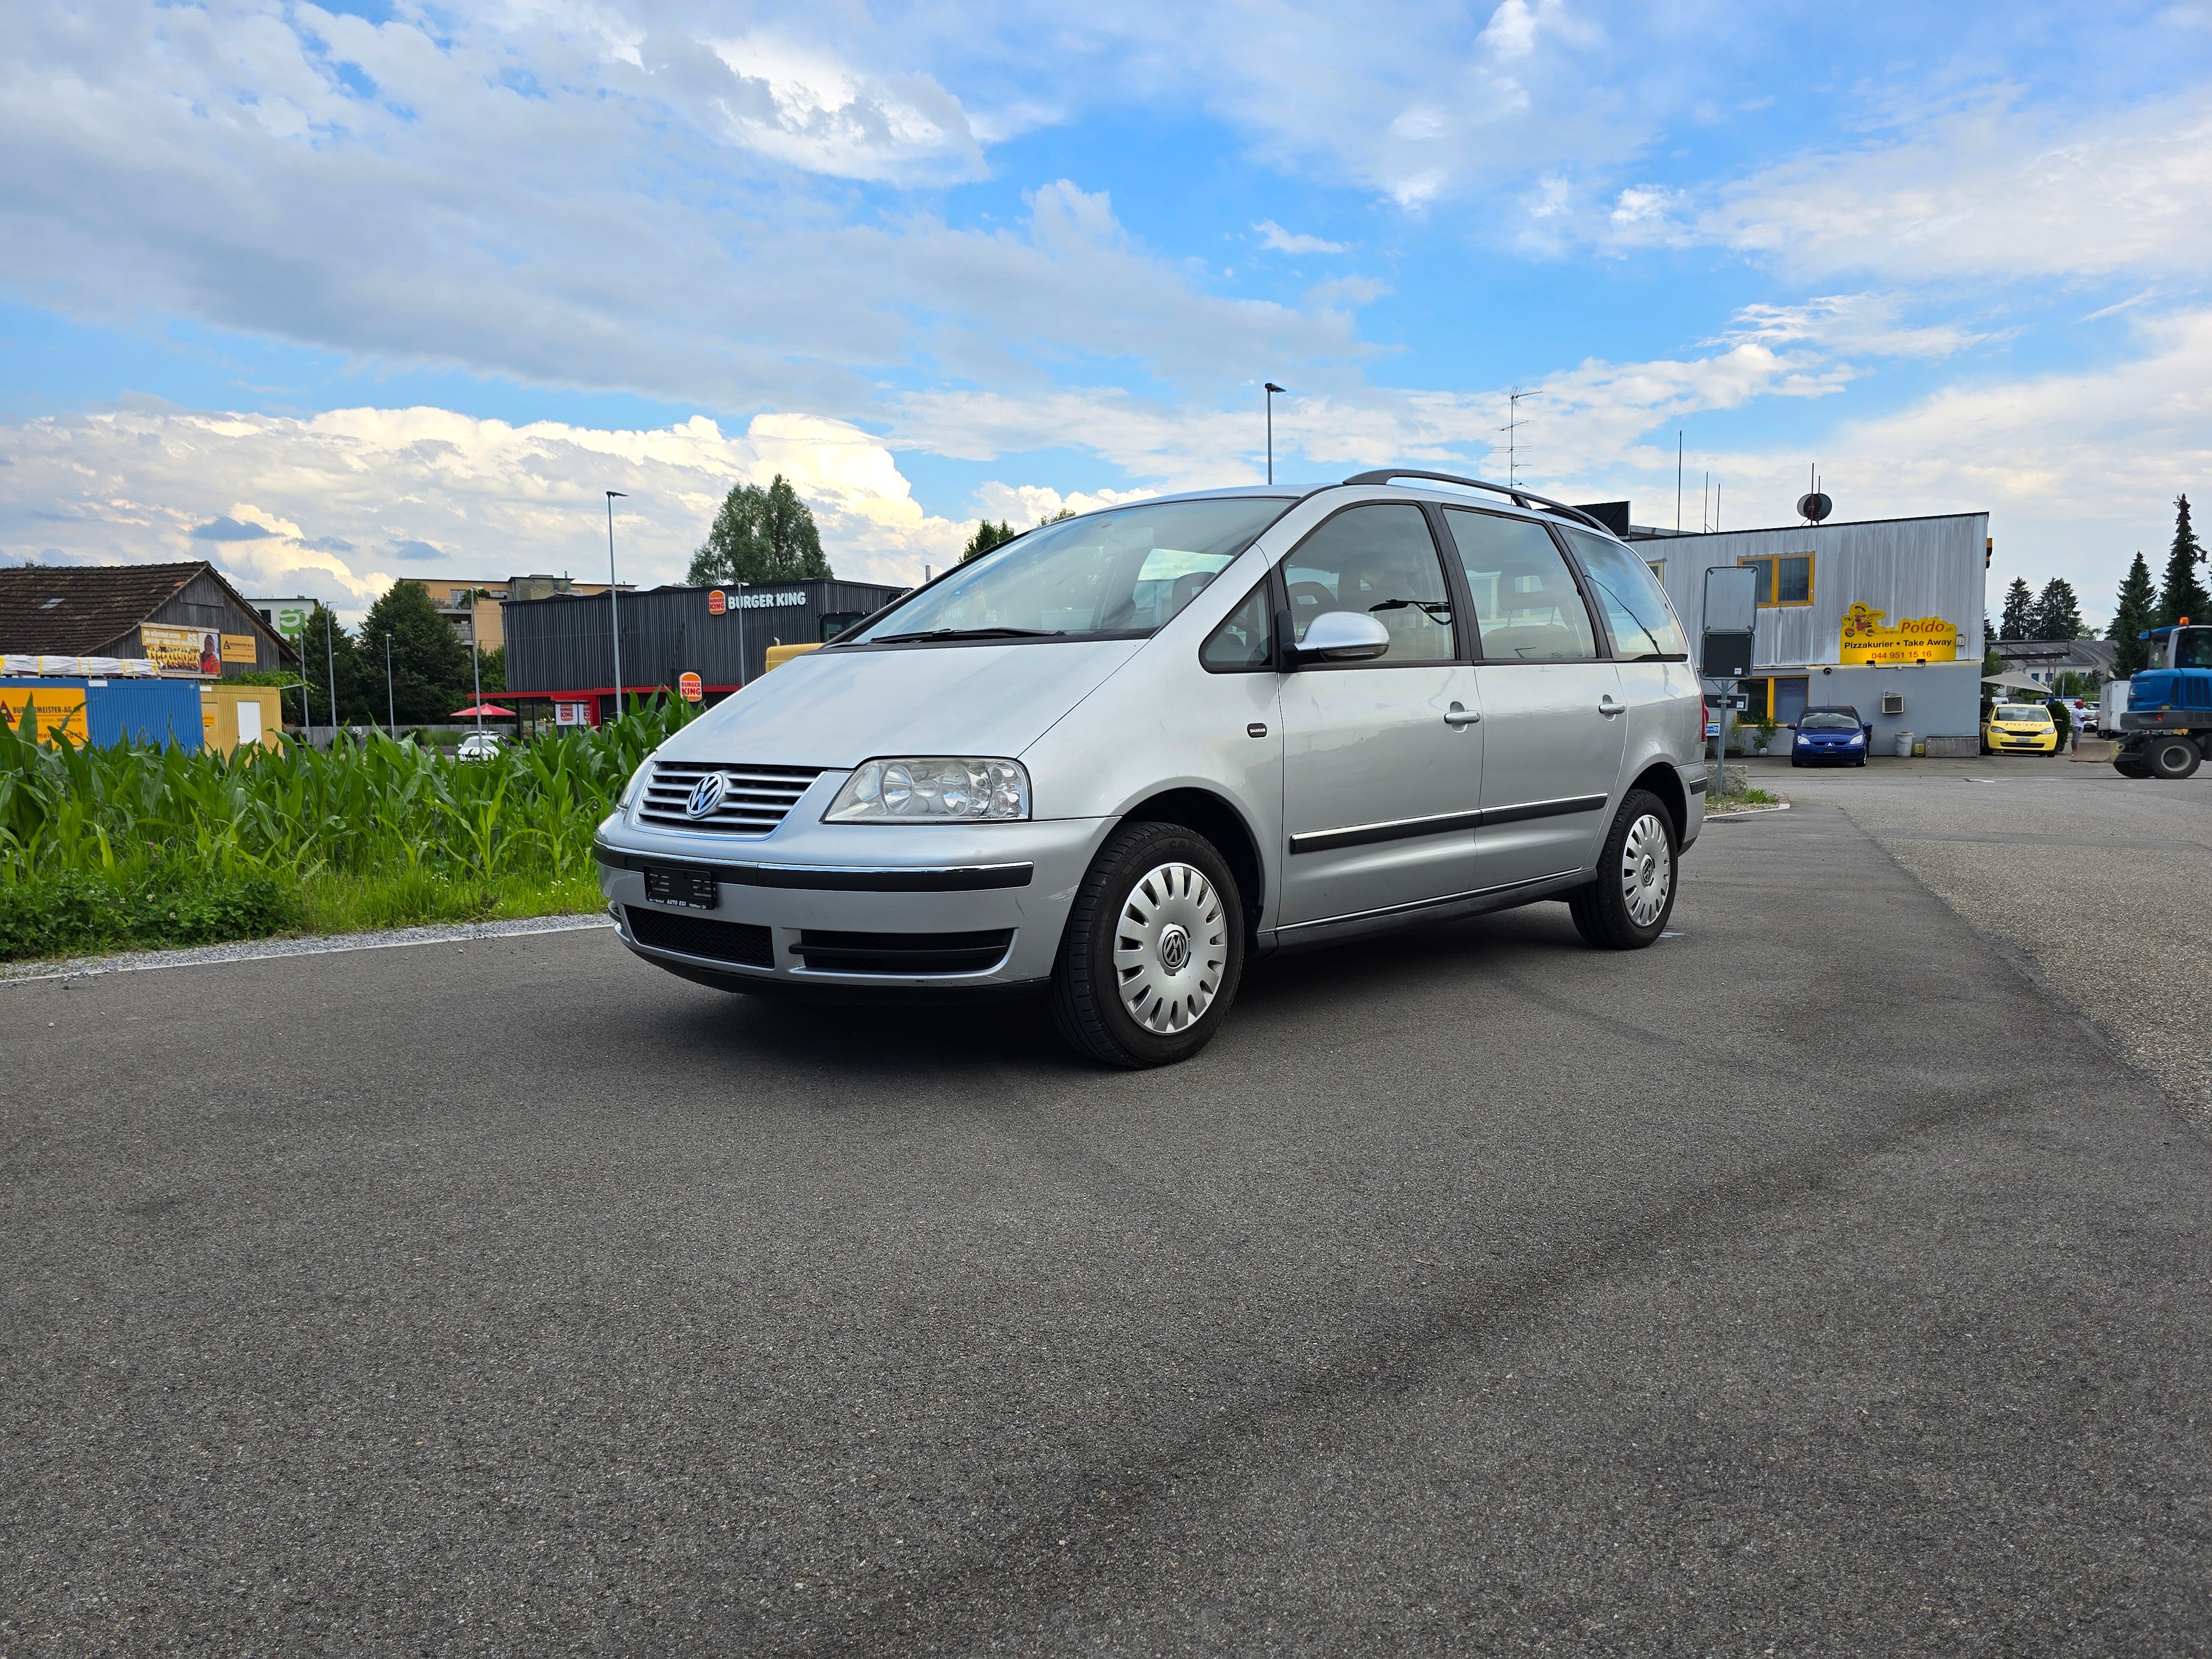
(139, 962)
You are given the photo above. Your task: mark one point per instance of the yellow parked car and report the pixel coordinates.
(2019, 728)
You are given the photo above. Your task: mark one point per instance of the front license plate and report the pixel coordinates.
(669, 884)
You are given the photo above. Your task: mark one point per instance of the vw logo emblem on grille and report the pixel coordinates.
(706, 795)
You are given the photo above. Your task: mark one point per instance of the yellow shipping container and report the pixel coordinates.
(233, 714)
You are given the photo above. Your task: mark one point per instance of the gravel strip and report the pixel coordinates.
(131, 962)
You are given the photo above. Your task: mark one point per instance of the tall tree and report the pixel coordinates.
(330, 663)
(2019, 620)
(2136, 610)
(986, 537)
(430, 669)
(2182, 595)
(2058, 611)
(760, 536)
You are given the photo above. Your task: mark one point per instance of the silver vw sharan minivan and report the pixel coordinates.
(1116, 758)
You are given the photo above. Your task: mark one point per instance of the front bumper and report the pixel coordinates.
(806, 880)
(1828, 754)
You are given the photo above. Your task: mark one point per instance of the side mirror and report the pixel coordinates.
(1340, 636)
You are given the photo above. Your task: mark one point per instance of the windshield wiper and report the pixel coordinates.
(970, 633)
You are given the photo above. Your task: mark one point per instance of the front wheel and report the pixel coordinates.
(2173, 755)
(1154, 949)
(1627, 908)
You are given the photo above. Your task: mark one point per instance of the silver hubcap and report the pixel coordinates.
(1647, 871)
(1169, 948)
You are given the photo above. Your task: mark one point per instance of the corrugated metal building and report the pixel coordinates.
(563, 648)
(1818, 580)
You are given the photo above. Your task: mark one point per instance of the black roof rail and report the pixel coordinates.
(1513, 493)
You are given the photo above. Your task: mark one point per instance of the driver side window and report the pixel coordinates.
(1378, 561)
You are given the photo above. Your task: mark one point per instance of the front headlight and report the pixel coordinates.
(1855, 737)
(932, 789)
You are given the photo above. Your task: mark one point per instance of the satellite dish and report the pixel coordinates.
(1815, 507)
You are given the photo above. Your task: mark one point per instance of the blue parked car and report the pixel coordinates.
(1832, 736)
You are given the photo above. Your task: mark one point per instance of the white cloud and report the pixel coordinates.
(352, 499)
(1992, 191)
(824, 117)
(1024, 505)
(561, 203)
(1869, 323)
(1272, 235)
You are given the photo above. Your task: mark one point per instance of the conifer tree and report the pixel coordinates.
(2019, 620)
(2058, 611)
(2182, 595)
(2136, 610)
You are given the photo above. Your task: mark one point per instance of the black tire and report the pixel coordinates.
(1603, 912)
(2171, 755)
(1861, 761)
(2130, 766)
(1090, 979)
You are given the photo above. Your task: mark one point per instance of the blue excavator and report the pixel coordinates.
(2166, 726)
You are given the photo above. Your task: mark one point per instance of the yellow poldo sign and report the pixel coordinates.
(1867, 638)
(61, 706)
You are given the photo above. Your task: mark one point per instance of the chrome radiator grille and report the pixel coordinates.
(754, 800)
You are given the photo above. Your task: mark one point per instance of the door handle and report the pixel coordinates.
(1609, 708)
(1456, 716)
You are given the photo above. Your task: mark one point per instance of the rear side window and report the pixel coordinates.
(1635, 607)
(1243, 641)
(1380, 560)
(1526, 601)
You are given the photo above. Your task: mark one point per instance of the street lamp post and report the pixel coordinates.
(330, 660)
(1272, 390)
(391, 708)
(614, 616)
(476, 656)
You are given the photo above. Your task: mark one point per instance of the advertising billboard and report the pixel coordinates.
(61, 706)
(1868, 637)
(194, 650)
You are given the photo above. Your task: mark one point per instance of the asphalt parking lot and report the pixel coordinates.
(2096, 881)
(1811, 1283)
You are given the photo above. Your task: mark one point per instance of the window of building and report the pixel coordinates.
(1781, 701)
(1658, 569)
(1783, 578)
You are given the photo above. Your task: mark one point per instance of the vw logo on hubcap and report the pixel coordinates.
(706, 795)
(1174, 948)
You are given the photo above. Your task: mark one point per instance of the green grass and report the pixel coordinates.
(1745, 796)
(109, 848)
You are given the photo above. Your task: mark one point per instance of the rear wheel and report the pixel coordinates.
(1627, 908)
(2171, 755)
(1154, 949)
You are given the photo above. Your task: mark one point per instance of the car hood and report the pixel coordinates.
(1828, 737)
(837, 709)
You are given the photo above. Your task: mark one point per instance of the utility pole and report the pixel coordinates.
(331, 658)
(476, 656)
(1512, 431)
(1677, 482)
(1272, 390)
(614, 616)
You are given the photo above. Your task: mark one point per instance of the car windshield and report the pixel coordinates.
(2021, 714)
(1824, 722)
(1121, 574)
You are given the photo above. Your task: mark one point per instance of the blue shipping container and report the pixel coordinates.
(131, 710)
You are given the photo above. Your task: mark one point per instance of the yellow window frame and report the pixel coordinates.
(1770, 565)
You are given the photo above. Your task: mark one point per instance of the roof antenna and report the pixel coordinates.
(1511, 429)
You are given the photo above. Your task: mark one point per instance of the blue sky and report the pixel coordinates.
(337, 295)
